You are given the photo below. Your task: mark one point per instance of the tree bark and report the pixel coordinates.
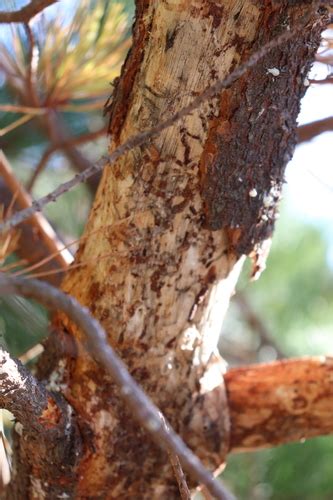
(280, 402)
(175, 218)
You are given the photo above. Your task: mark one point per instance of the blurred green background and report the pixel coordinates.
(287, 312)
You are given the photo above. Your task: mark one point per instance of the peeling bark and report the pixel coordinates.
(163, 273)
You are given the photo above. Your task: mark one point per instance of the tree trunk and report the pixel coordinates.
(170, 224)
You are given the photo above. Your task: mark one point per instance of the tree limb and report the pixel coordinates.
(26, 13)
(143, 137)
(310, 130)
(280, 402)
(143, 409)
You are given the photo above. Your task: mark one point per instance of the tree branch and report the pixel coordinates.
(256, 324)
(37, 229)
(310, 130)
(180, 477)
(46, 420)
(280, 402)
(69, 143)
(26, 13)
(143, 137)
(31, 404)
(58, 134)
(143, 409)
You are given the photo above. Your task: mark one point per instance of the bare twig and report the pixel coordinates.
(29, 75)
(57, 133)
(256, 323)
(26, 13)
(40, 167)
(180, 477)
(310, 130)
(37, 229)
(323, 81)
(73, 141)
(143, 137)
(31, 354)
(17, 123)
(143, 409)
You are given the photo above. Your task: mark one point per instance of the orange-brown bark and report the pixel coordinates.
(280, 402)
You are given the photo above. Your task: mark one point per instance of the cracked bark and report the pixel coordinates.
(183, 219)
(47, 444)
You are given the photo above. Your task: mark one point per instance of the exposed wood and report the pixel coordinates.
(280, 402)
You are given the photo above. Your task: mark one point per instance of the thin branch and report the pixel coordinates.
(143, 137)
(17, 123)
(29, 74)
(37, 227)
(26, 13)
(40, 167)
(31, 354)
(27, 110)
(324, 81)
(180, 477)
(310, 130)
(73, 141)
(142, 407)
(256, 324)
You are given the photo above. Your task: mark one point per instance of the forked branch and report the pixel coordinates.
(26, 13)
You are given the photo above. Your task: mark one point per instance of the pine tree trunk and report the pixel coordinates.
(170, 224)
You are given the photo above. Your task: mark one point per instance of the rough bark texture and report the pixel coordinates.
(164, 271)
(280, 402)
(50, 443)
